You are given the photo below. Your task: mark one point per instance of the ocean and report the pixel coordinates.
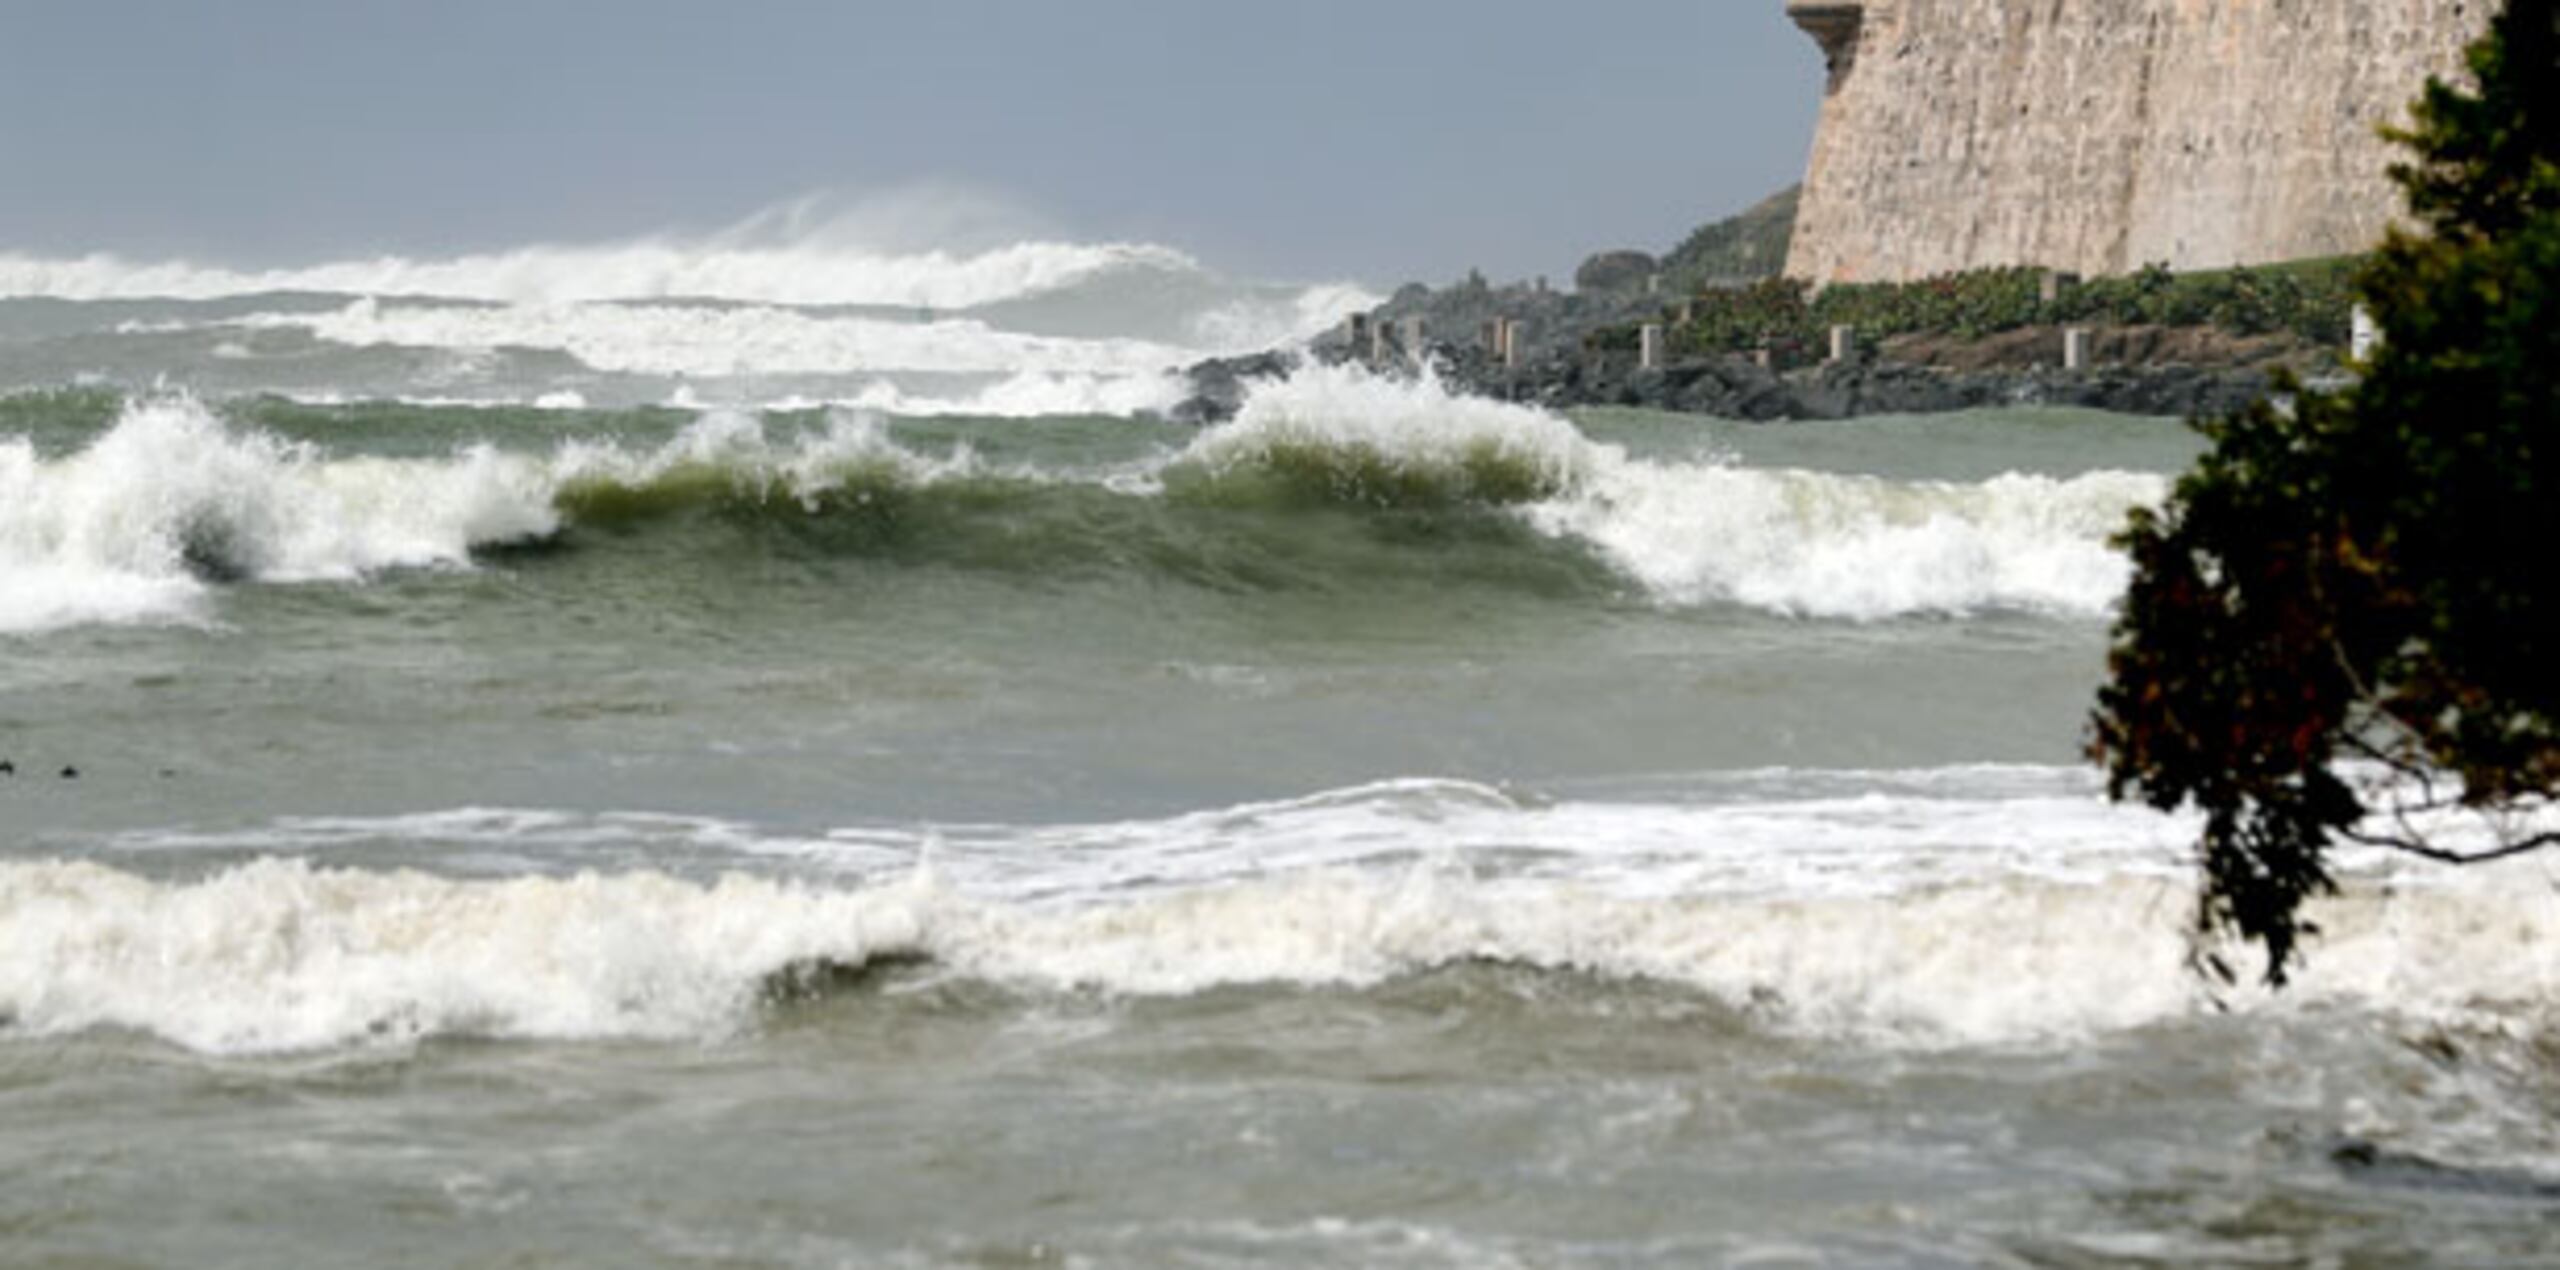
(702, 754)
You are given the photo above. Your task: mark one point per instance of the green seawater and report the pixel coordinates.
(674, 837)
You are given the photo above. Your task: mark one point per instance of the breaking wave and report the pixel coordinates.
(171, 501)
(279, 955)
(1806, 543)
(1339, 434)
(135, 526)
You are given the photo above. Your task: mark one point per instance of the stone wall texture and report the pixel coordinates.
(2097, 136)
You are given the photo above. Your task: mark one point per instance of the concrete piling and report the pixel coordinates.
(2075, 348)
(1649, 346)
(2364, 335)
(1844, 343)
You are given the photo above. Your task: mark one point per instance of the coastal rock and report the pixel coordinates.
(1218, 385)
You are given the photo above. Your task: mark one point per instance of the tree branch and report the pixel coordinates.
(2419, 847)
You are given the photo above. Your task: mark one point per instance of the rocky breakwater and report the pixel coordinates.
(1742, 388)
(1579, 348)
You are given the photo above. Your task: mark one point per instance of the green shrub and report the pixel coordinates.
(2309, 299)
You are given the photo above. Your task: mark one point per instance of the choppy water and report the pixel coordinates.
(588, 757)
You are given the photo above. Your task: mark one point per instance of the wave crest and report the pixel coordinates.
(170, 497)
(1340, 435)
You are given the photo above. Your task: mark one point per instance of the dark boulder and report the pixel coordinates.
(1219, 385)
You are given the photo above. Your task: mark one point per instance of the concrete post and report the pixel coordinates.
(1653, 284)
(1649, 346)
(1355, 331)
(1510, 344)
(2364, 334)
(1844, 343)
(1409, 332)
(1688, 312)
(2075, 348)
(1764, 357)
(1492, 337)
(1381, 344)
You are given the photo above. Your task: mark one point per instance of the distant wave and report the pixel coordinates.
(1050, 327)
(171, 501)
(696, 340)
(1024, 395)
(649, 269)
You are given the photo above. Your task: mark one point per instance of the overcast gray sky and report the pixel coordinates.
(1382, 140)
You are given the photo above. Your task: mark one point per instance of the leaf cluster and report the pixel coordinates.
(2367, 575)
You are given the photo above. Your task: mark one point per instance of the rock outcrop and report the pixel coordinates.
(2097, 136)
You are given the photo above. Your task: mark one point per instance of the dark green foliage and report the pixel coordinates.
(1773, 311)
(2483, 164)
(2310, 299)
(1611, 339)
(2369, 574)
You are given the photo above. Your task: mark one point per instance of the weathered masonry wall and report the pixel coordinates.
(2098, 136)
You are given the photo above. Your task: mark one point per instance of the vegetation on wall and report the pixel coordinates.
(2311, 300)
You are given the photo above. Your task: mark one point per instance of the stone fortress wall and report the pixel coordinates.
(2097, 136)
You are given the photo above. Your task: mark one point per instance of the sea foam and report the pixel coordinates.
(1956, 906)
(280, 955)
(1820, 544)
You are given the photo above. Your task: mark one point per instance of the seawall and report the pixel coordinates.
(2097, 136)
